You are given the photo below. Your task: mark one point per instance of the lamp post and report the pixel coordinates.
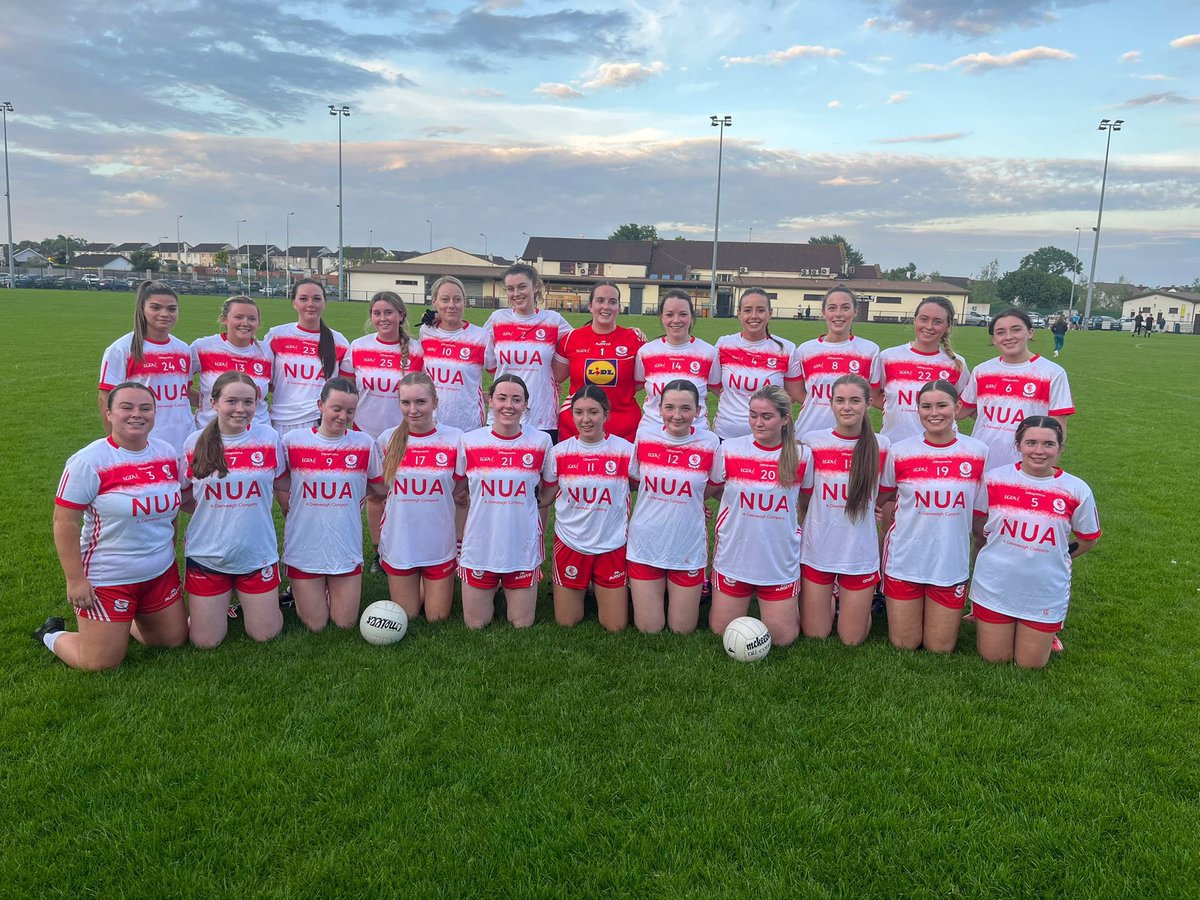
(237, 249)
(340, 112)
(1074, 273)
(717, 122)
(267, 261)
(371, 245)
(429, 222)
(1110, 127)
(5, 108)
(178, 247)
(287, 239)
(485, 246)
(751, 234)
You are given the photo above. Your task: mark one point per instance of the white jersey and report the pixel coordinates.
(504, 530)
(213, 356)
(936, 486)
(758, 529)
(455, 361)
(418, 516)
(377, 367)
(1024, 570)
(591, 511)
(298, 377)
(166, 369)
(747, 366)
(833, 542)
(524, 346)
(1002, 395)
(231, 530)
(658, 363)
(821, 364)
(902, 372)
(667, 529)
(323, 534)
(129, 501)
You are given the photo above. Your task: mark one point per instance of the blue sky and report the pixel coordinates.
(943, 133)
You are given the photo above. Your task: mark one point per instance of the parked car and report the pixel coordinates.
(977, 318)
(90, 278)
(1103, 323)
(1039, 321)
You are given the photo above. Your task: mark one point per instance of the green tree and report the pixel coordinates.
(1052, 261)
(141, 260)
(902, 273)
(634, 232)
(221, 258)
(853, 257)
(61, 248)
(1033, 289)
(983, 286)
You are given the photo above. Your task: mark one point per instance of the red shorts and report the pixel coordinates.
(846, 582)
(951, 597)
(489, 581)
(299, 575)
(204, 582)
(429, 573)
(575, 570)
(681, 577)
(991, 617)
(125, 602)
(743, 589)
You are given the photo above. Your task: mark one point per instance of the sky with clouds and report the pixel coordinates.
(940, 132)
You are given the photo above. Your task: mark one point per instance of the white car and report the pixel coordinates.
(90, 277)
(977, 318)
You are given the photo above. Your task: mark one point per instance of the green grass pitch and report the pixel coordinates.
(575, 763)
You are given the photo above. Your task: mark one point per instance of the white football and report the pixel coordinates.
(747, 639)
(383, 622)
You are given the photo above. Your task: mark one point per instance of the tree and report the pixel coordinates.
(221, 258)
(634, 232)
(1034, 289)
(983, 286)
(141, 260)
(853, 257)
(61, 247)
(902, 273)
(1052, 261)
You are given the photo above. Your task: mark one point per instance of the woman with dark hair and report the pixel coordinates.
(236, 349)
(152, 356)
(677, 354)
(1025, 516)
(307, 354)
(823, 360)
(602, 354)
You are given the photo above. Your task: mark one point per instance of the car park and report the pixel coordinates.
(1103, 323)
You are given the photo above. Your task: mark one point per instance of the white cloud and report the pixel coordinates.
(1132, 56)
(854, 181)
(1161, 99)
(834, 104)
(939, 138)
(983, 62)
(1188, 40)
(898, 97)
(1154, 77)
(557, 90)
(618, 75)
(482, 92)
(779, 57)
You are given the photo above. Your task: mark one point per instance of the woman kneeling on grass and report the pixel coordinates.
(331, 471)
(114, 529)
(591, 474)
(1026, 513)
(230, 469)
(503, 470)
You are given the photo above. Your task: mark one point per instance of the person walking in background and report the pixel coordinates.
(1059, 330)
(1162, 323)
(1137, 325)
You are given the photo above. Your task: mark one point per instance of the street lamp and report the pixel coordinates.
(5, 108)
(751, 234)
(1110, 127)
(287, 239)
(485, 246)
(267, 261)
(340, 112)
(371, 245)
(717, 122)
(1074, 273)
(178, 247)
(429, 222)
(237, 249)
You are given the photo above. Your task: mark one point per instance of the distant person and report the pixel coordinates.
(1137, 325)
(1162, 323)
(1059, 330)
(807, 312)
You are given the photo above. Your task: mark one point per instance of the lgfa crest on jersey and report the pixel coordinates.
(540, 334)
(694, 367)
(464, 352)
(854, 365)
(964, 469)
(694, 460)
(352, 460)
(258, 368)
(441, 458)
(943, 375)
(622, 350)
(1060, 505)
(610, 466)
(527, 459)
(257, 457)
(1029, 389)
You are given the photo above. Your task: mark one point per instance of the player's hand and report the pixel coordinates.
(81, 594)
(641, 335)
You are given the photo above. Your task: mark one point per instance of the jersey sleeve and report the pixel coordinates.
(1085, 521)
(195, 354)
(113, 366)
(717, 474)
(375, 464)
(876, 378)
(281, 464)
(714, 373)
(1061, 403)
(562, 350)
(489, 350)
(887, 475)
(564, 327)
(806, 461)
(635, 471)
(969, 395)
(639, 368)
(550, 469)
(416, 356)
(795, 369)
(346, 367)
(79, 485)
(460, 460)
(981, 498)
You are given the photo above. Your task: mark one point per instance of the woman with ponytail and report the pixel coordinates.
(841, 540)
(417, 541)
(825, 359)
(236, 349)
(455, 352)
(307, 353)
(152, 356)
(377, 362)
(228, 474)
(767, 478)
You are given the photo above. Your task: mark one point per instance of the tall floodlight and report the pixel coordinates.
(721, 122)
(340, 112)
(1110, 127)
(287, 239)
(1074, 272)
(237, 251)
(5, 108)
(429, 222)
(178, 247)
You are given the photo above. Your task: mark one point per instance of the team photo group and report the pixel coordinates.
(812, 513)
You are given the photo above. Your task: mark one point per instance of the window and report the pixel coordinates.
(813, 298)
(406, 282)
(887, 300)
(566, 268)
(596, 269)
(1173, 311)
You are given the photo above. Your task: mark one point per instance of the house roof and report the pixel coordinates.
(627, 253)
(211, 247)
(96, 260)
(253, 249)
(170, 247)
(97, 247)
(1187, 296)
(308, 250)
(402, 268)
(129, 247)
(678, 257)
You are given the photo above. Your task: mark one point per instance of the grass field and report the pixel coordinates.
(556, 763)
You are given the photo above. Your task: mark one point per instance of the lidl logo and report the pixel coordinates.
(602, 372)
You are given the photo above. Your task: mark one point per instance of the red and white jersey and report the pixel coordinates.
(503, 531)
(902, 372)
(832, 541)
(821, 364)
(1024, 570)
(129, 501)
(667, 529)
(758, 527)
(166, 369)
(377, 367)
(1001, 395)
(455, 361)
(297, 378)
(213, 356)
(936, 486)
(524, 346)
(418, 515)
(591, 512)
(658, 363)
(323, 533)
(747, 366)
(605, 361)
(231, 530)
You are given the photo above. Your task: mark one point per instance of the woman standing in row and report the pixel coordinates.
(677, 354)
(307, 354)
(455, 353)
(236, 349)
(152, 356)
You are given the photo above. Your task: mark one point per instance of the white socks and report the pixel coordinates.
(50, 637)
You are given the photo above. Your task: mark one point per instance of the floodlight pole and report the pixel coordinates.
(717, 122)
(429, 222)
(287, 239)
(236, 251)
(340, 112)
(1074, 272)
(5, 108)
(178, 247)
(1110, 127)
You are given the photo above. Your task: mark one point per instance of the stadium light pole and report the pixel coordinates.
(371, 245)
(237, 249)
(1110, 127)
(178, 247)
(287, 239)
(340, 112)
(485, 246)
(429, 222)
(5, 108)
(717, 122)
(1074, 272)
(267, 261)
